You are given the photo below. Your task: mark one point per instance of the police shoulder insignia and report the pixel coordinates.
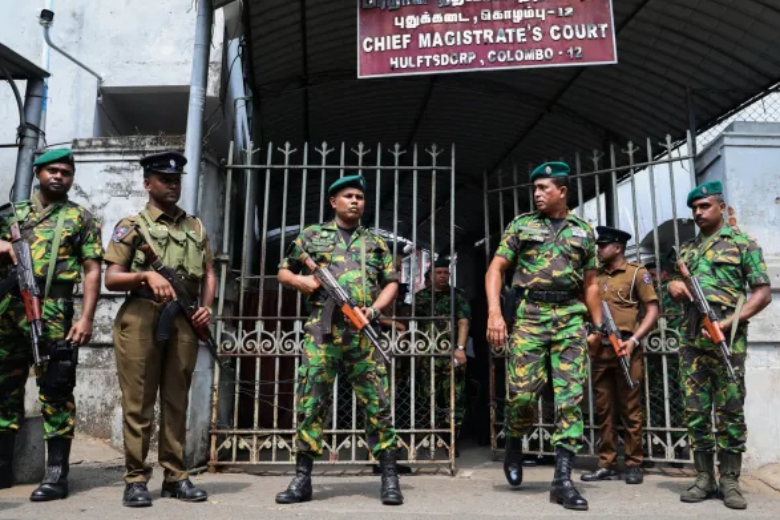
(120, 233)
(648, 280)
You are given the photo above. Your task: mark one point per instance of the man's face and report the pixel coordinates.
(56, 178)
(707, 213)
(608, 252)
(548, 197)
(349, 204)
(441, 278)
(164, 188)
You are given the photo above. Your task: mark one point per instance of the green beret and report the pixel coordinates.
(350, 181)
(60, 155)
(550, 170)
(705, 190)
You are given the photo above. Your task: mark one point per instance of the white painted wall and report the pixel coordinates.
(745, 159)
(132, 43)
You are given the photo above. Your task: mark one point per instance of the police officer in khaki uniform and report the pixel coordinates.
(624, 286)
(146, 366)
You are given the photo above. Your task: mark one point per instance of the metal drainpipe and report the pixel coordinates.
(33, 104)
(193, 148)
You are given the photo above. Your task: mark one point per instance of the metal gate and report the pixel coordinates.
(410, 203)
(617, 191)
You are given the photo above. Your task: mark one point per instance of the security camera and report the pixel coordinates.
(46, 16)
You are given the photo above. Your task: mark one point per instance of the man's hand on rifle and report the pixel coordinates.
(306, 284)
(7, 251)
(162, 289)
(679, 291)
(81, 332)
(627, 346)
(370, 312)
(201, 318)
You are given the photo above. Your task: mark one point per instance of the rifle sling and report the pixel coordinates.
(55, 251)
(735, 321)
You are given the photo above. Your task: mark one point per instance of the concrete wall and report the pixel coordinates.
(745, 159)
(132, 43)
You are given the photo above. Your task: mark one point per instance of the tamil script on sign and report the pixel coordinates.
(403, 37)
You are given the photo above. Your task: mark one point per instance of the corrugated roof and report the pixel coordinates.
(304, 68)
(19, 67)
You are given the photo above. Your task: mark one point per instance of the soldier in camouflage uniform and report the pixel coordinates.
(48, 218)
(553, 255)
(434, 300)
(361, 262)
(726, 261)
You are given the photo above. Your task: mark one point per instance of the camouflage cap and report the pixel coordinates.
(550, 170)
(350, 181)
(705, 190)
(60, 155)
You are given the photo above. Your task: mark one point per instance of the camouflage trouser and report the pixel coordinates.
(322, 358)
(58, 407)
(441, 389)
(705, 382)
(557, 331)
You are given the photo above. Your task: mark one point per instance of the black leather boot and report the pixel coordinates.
(136, 495)
(513, 461)
(183, 490)
(391, 488)
(54, 485)
(7, 443)
(563, 491)
(299, 489)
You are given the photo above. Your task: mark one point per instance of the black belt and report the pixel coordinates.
(521, 293)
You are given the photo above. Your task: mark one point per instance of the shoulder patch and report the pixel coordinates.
(120, 233)
(647, 279)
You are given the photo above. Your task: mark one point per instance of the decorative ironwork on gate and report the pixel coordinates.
(260, 325)
(606, 194)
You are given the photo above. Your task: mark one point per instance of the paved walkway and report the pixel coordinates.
(478, 491)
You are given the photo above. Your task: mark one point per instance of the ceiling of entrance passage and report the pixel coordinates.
(303, 56)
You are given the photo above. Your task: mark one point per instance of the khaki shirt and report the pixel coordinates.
(624, 289)
(125, 240)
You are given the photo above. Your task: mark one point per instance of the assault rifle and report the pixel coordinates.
(613, 334)
(183, 303)
(709, 319)
(337, 295)
(22, 278)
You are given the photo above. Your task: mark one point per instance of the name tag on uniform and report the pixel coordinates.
(577, 232)
(538, 231)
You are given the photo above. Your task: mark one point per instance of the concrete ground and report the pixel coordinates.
(478, 491)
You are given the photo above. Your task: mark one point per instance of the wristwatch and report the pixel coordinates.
(208, 309)
(374, 313)
(598, 329)
(461, 347)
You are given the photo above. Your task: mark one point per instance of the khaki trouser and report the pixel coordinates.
(614, 403)
(144, 367)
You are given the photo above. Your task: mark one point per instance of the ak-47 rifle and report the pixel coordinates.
(22, 278)
(709, 319)
(613, 334)
(337, 295)
(183, 302)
